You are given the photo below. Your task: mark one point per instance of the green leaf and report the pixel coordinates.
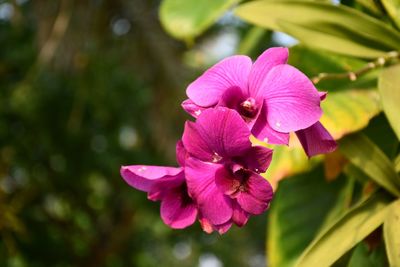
(392, 7)
(299, 209)
(391, 231)
(397, 163)
(185, 19)
(363, 257)
(322, 25)
(346, 232)
(389, 88)
(368, 157)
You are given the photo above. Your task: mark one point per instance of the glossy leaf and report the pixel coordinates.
(323, 25)
(368, 157)
(346, 232)
(391, 230)
(299, 209)
(185, 19)
(389, 88)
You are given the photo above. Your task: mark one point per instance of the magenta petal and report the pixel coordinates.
(263, 131)
(145, 177)
(258, 195)
(177, 210)
(257, 158)
(265, 62)
(322, 95)
(231, 98)
(181, 153)
(316, 140)
(233, 71)
(226, 182)
(225, 132)
(190, 107)
(239, 217)
(195, 143)
(293, 103)
(212, 203)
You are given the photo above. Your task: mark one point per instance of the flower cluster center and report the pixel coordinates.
(248, 108)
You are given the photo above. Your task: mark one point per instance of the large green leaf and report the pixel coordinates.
(392, 7)
(391, 230)
(185, 19)
(322, 25)
(300, 207)
(368, 157)
(346, 232)
(389, 87)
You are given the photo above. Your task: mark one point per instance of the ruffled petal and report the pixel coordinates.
(293, 103)
(316, 140)
(191, 108)
(212, 203)
(224, 131)
(263, 131)
(196, 143)
(178, 210)
(265, 62)
(144, 177)
(233, 71)
(258, 195)
(208, 227)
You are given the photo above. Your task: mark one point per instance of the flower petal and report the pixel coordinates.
(293, 103)
(177, 211)
(258, 195)
(212, 203)
(221, 132)
(233, 71)
(239, 217)
(316, 140)
(190, 107)
(257, 159)
(144, 177)
(208, 227)
(263, 131)
(226, 182)
(265, 62)
(181, 153)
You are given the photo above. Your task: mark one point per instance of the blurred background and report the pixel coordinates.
(87, 86)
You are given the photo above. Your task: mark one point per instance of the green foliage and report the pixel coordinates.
(322, 25)
(346, 232)
(389, 81)
(391, 229)
(186, 19)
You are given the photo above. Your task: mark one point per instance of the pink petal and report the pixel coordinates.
(257, 158)
(233, 71)
(293, 103)
(226, 181)
(239, 217)
(177, 210)
(322, 95)
(208, 227)
(218, 133)
(144, 177)
(263, 131)
(181, 153)
(316, 140)
(258, 195)
(212, 203)
(265, 62)
(190, 107)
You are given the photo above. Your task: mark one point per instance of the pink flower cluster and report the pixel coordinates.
(218, 181)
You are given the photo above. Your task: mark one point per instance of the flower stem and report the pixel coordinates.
(353, 75)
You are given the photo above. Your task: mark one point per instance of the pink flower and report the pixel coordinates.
(273, 98)
(168, 185)
(222, 170)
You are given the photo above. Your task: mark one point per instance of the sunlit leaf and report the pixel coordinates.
(300, 206)
(322, 25)
(391, 230)
(392, 7)
(346, 232)
(389, 87)
(185, 19)
(369, 158)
